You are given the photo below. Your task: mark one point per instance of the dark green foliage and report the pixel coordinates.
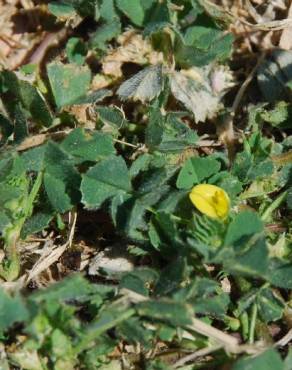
(98, 167)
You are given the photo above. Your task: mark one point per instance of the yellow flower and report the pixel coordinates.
(210, 200)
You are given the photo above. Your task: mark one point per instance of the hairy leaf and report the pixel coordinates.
(106, 179)
(68, 82)
(144, 86)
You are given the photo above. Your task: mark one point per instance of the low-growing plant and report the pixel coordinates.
(206, 235)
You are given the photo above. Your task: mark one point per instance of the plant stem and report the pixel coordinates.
(11, 268)
(245, 324)
(273, 206)
(254, 313)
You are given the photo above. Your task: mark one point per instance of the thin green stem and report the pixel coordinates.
(244, 325)
(273, 206)
(10, 269)
(254, 313)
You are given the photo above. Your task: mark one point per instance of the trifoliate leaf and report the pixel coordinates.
(106, 179)
(245, 224)
(12, 310)
(88, 147)
(195, 170)
(68, 82)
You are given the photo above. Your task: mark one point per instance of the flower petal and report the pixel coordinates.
(211, 200)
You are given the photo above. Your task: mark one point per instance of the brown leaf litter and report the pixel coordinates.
(133, 49)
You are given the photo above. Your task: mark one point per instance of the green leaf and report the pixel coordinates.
(6, 129)
(107, 10)
(289, 198)
(4, 221)
(195, 170)
(168, 133)
(245, 250)
(139, 280)
(35, 104)
(133, 331)
(140, 164)
(176, 135)
(165, 310)
(144, 86)
(132, 9)
(106, 179)
(201, 46)
(87, 8)
(111, 116)
(34, 158)
(108, 319)
(128, 213)
(12, 310)
(228, 182)
(280, 273)
(30, 98)
(201, 37)
(263, 169)
(74, 287)
(88, 146)
(38, 222)
(61, 346)
(171, 277)
(164, 235)
(244, 225)
(56, 191)
(105, 33)
(242, 165)
(93, 97)
(154, 130)
(279, 116)
(61, 8)
(270, 307)
(216, 306)
(61, 179)
(20, 124)
(156, 27)
(68, 82)
(76, 51)
(288, 360)
(269, 359)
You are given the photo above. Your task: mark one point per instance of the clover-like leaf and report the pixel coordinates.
(106, 179)
(68, 82)
(144, 86)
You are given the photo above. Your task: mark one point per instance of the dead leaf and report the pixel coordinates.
(134, 49)
(200, 90)
(286, 37)
(14, 47)
(144, 86)
(112, 261)
(49, 256)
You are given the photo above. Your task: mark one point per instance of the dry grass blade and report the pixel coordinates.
(50, 254)
(200, 353)
(285, 340)
(274, 25)
(227, 341)
(286, 37)
(48, 257)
